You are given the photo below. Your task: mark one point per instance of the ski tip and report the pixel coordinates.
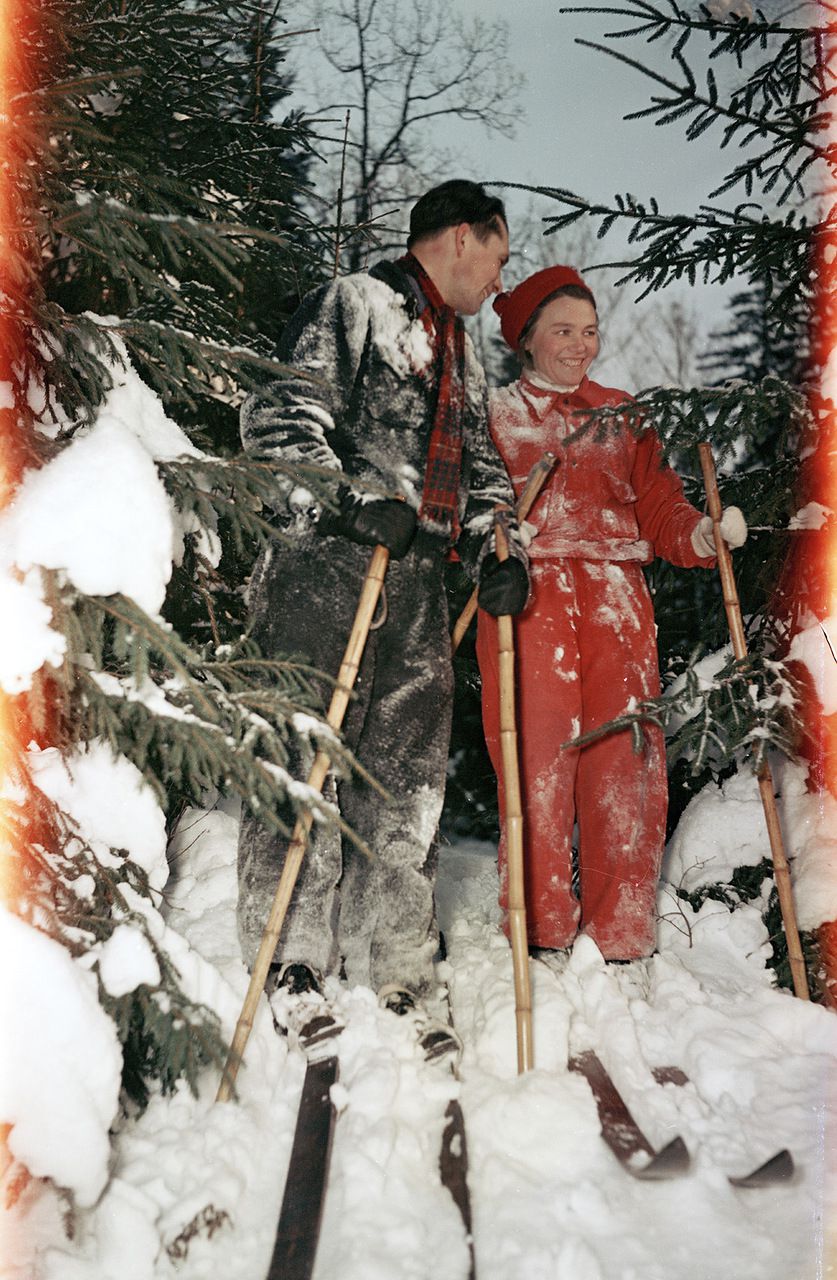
(779, 1168)
(671, 1162)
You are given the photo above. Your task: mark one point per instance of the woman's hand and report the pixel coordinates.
(733, 530)
(527, 533)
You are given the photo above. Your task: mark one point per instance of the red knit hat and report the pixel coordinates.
(515, 308)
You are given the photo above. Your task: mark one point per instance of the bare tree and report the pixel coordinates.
(402, 68)
(665, 344)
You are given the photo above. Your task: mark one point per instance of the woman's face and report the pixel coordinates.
(564, 341)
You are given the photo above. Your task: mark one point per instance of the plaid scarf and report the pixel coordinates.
(440, 495)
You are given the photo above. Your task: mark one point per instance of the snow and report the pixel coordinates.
(816, 646)
(703, 851)
(705, 671)
(119, 530)
(132, 402)
(110, 802)
(115, 532)
(126, 960)
(812, 516)
(59, 1089)
(31, 642)
(195, 1186)
(724, 827)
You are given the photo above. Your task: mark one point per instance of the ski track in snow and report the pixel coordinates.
(195, 1186)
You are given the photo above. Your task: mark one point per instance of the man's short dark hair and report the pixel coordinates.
(454, 202)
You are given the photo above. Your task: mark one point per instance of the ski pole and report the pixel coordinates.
(514, 823)
(370, 593)
(534, 483)
(764, 775)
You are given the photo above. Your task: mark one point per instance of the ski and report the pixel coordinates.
(630, 1145)
(633, 1150)
(298, 1230)
(621, 1131)
(440, 1044)
(453, 1169)
(777, 1168)
(453, 1160)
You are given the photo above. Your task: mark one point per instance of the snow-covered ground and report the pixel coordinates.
(194, 1186)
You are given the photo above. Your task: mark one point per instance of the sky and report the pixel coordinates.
(575, 98)
(573, 134)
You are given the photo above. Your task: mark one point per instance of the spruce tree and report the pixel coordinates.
(151, 214)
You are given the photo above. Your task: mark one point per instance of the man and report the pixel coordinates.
(395, 405)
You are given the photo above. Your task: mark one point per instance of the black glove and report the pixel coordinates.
(504, 586)
(386, 522)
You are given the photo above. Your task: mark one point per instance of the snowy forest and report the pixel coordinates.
(176, 177)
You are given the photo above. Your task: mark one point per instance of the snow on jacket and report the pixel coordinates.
(360, 399)
(608, 498)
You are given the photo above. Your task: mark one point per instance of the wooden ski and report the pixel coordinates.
(298, 1230)
(621, 1131)
(778, 1168)
(440, 1044)
(630, 1145)
(453, 1168)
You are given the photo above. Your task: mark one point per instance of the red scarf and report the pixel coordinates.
(440, 495)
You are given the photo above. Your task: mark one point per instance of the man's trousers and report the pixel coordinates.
(373, 916)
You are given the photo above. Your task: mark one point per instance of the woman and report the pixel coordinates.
(585, 646)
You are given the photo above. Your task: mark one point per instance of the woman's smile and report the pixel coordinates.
(565, 340)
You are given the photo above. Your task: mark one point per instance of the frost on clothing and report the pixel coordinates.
(585, 651)
(606, 499)
(376, 913)
(362, 405)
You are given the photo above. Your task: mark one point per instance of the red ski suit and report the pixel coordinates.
(585, 648)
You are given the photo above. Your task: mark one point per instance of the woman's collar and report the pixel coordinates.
(542, 384)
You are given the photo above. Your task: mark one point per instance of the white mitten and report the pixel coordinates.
(733, 531)
(527, 533)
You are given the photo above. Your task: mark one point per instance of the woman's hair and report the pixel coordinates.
(566, 291)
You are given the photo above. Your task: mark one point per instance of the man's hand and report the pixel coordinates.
(733, 532)
(385, 522)
(504, 587)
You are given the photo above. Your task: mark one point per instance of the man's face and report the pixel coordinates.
(479, 264)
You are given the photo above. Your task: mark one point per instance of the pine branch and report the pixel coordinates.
(749, 707)
(78, 895)
(723, 415)
(714, 245)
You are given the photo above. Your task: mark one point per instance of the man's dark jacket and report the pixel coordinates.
(365, 413)
(367, 408)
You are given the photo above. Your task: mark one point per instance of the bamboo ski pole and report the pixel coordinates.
(534, 483)
(765, 777)
(370, 593)
(514, 826)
